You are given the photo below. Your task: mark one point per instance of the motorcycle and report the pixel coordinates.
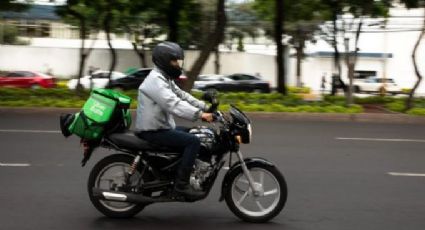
(123, 184)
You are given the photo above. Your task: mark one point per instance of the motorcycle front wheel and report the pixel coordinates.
(266, 203)
(109, 174)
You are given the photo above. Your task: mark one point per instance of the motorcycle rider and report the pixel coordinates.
(159, 98)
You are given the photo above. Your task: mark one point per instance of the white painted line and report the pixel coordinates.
(378, 139)
(407, 174)
(14, 165)
(27, 131)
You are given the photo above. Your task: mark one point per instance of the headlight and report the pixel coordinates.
(250, 132)
(245, 134)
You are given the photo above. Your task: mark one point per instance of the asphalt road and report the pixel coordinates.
(335, 182)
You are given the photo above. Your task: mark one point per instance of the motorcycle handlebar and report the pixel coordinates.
(215, 116)
(213, 108)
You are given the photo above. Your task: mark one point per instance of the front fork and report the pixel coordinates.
(247, 173)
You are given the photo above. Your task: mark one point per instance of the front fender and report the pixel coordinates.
(250, 163)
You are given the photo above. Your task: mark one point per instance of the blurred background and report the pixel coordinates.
(333, 88)
(354, 49)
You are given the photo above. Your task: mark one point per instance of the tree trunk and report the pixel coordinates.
(278, 32)
(83, 55)
(335, 45)
(348, 62)
(107, 27)
(213, 41)
(141, 54)
(217, 61)
(351, 64)
(299, 60)
(337, 56)
(173, 17)
(409, 101)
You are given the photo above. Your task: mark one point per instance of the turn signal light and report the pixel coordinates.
(238, 139)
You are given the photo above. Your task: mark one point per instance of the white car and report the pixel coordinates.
(374, 84)
(203, 81)
(99, 79)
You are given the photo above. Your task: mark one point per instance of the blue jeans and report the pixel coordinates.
(178, 138)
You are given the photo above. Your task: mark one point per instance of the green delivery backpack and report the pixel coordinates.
(105, 111)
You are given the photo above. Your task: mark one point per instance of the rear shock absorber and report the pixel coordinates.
(134, 165)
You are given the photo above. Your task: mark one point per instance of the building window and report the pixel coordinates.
(31, 29)
(363, 74)
(45, 30)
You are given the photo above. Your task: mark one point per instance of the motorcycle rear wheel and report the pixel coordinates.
(109, 174)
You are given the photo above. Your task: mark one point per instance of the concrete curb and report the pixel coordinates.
(360, 117)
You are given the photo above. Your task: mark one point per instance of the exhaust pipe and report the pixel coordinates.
(114, 196)
(125, 197)
(121, 196)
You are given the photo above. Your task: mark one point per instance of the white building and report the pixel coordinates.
(384, 52)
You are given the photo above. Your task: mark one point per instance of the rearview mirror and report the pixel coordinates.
(210, 96)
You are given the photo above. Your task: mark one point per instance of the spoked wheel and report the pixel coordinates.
(109, 174)
(260, 206)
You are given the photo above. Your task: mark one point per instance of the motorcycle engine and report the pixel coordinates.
(201, 172)
(207, 137)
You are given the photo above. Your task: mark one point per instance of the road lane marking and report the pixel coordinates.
(407, 174)
(379, 139)
(27, 131)
(14, 165)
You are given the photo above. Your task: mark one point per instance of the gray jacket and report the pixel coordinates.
(159, 99)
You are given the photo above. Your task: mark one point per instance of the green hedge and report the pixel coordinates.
(251, 102)
(358, 100)
(17, 93)
(273, 102)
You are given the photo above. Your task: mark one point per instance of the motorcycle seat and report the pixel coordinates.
(128, 140)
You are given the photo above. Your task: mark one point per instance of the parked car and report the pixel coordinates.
(375, 84)
(27, 79)
(233, 82)
(134, 79)
(208, 81)
(99, 79)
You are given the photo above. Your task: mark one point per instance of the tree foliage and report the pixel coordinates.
(302, 19)
(12, 5)
(215, 37)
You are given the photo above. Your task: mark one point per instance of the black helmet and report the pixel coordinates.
(164, 53)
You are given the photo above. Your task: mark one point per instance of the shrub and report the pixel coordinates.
(406, 91)
(334, 99)
(397, 106)
(420, 102)
(10, 36)
(292, 89)
(62, 84)
(417, 111)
